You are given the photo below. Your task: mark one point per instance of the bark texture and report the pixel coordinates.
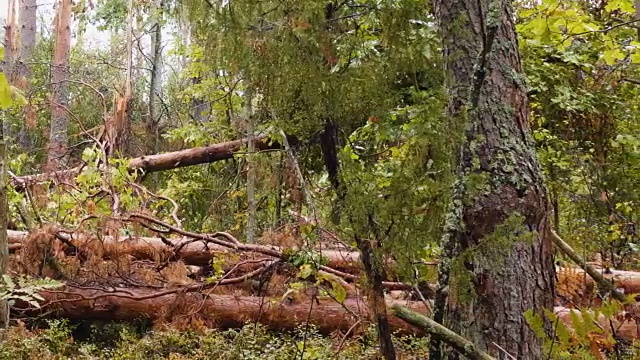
(57, 153)
(155, 85)
(27, 21)
(220, 311)
(165, 161)
(4, 243)
(498, 250)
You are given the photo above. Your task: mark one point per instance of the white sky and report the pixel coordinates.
(92, 37)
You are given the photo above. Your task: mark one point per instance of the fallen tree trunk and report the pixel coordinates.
(623, 282)
(462, 345)
(602, 282)
(215, 311)
(627, 329)
(200, 253)
(190, 251)
(160, 162)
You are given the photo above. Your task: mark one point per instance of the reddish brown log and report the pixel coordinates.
(197, 253)
(626, 329)
(627, 282)
(166, 161)
(216, 311)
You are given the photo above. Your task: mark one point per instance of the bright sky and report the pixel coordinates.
(92, 37)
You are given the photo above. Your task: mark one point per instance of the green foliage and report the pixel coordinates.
(25, 289)
(578, 335)
(250, 342)
(578, 58)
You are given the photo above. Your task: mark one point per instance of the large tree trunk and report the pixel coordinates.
(499, 253)
(220, 311)
(57, 153)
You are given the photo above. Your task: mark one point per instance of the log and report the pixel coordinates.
(602, 282)
(165, 161)
(215, 311)
(627, 329)
(623, 282)
(196, 253)
(462, 345)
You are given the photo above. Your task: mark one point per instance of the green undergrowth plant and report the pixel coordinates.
(61, 340)
(582, 333)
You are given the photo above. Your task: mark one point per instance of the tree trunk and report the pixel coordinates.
(198, 253)
(219, 311)
(28, 22)
(4, 243)
(9, 69)
(165, 161)
(57, 153)
(498, 250)
(251, 169)
(10, 52)
(155, 86)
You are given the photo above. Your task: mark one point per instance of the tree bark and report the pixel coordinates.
(10, 52)
(155, 85)
(251, 169)
(4, 243)
(165, 161)
(57, 153)
(219, 311)
(197, 253)
(498, 250)
(461, 344)
(28, 21)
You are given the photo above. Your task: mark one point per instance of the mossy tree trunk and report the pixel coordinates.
(498, 253)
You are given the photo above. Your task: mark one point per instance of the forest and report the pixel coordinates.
(339, 179)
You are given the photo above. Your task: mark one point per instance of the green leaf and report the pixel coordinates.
(623, 5)
(305, 271)
(8, 282)
(612, 55)
(6, 100)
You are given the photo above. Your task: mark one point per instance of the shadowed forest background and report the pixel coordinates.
(300, 179)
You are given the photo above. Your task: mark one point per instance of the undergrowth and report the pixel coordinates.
(61, 340)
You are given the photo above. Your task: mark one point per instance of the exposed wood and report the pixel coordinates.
(220, 311)
(464, 346)
(164, 161)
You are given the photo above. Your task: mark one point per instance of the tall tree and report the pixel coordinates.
(10, 49)
(155, 86)
(27, 23)
(60, 90)
(498, 251)
(6, 77)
